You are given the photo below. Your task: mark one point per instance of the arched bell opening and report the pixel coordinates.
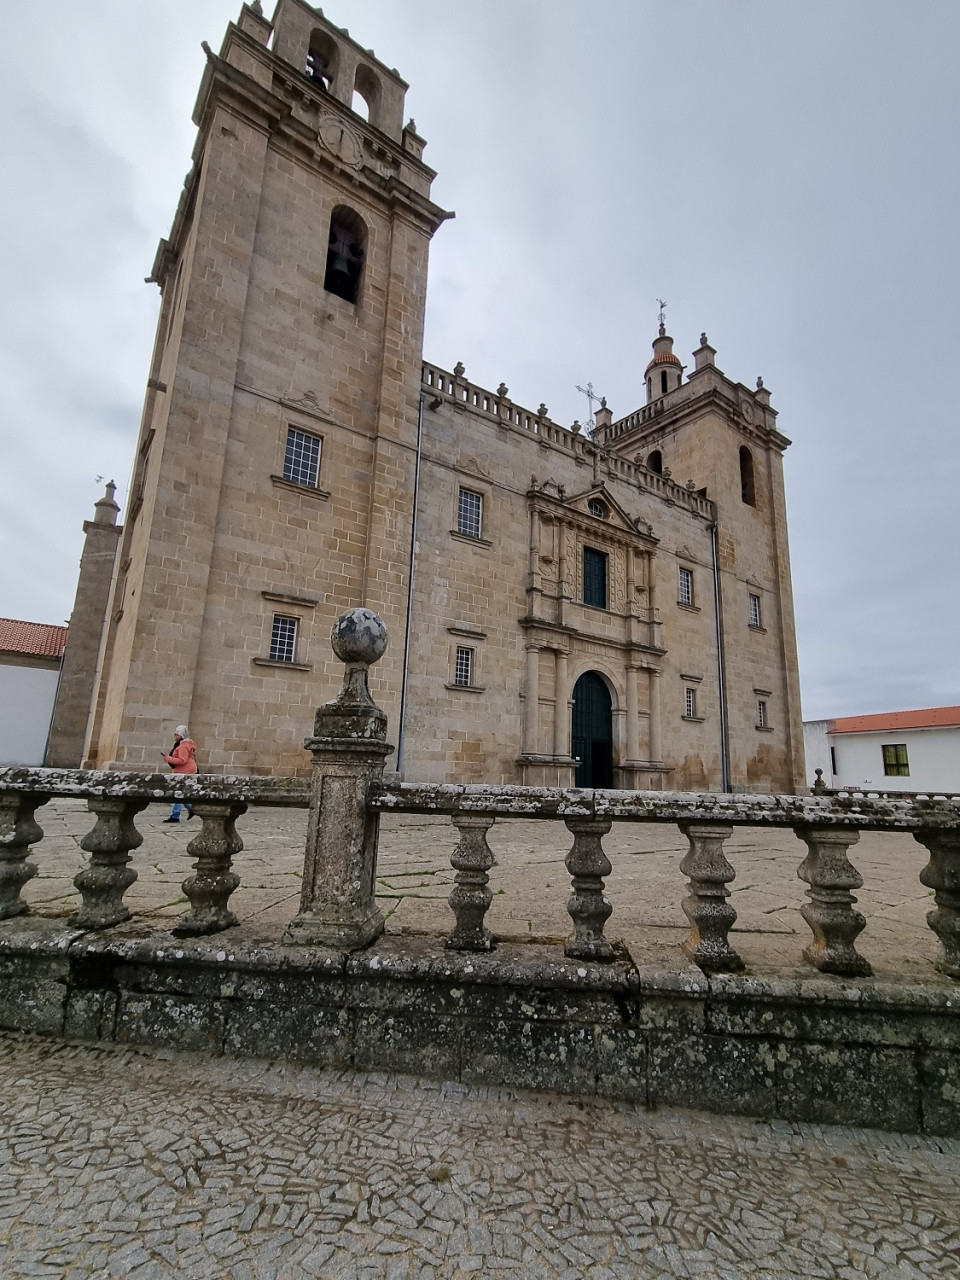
(345, 254)
(322, 59)
(366, 95)
(655, 462)
(592, 731)
(748, 490)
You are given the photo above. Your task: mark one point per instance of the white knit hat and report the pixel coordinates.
(182, 731)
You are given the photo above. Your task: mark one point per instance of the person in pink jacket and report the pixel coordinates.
(182, 759)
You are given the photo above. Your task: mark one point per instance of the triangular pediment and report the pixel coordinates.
(599, 497)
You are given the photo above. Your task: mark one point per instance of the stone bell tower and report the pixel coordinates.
(273, 480)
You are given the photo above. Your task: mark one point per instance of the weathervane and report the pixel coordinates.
(591, 395)
(662, 318)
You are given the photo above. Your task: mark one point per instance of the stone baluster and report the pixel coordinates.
(103, 883)
(588, 908)
(942, 874)
(210, 888)
(471, 897)
(338, 907)
(830, 912)
(706, 907)
(18, 831)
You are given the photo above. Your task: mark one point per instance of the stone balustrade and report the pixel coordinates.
(347, 795)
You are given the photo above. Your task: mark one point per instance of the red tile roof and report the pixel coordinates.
(36, 639)
(664, 357)
(887, 722)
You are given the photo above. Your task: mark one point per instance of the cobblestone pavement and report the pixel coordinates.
(529, 882)
(124, 1162)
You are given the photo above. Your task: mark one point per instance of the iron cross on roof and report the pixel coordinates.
(591, 395)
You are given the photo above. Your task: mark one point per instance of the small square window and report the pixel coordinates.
(690, 704)
(283, 640)
(755, 611)
(463, 671)
(686, 586)
(895, 762)
(594, 578)
(762, 717)
(301, 461)
(470, 513)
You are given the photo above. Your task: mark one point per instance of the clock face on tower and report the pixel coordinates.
(341, 141)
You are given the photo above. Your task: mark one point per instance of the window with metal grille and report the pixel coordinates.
(594, 578)
(895, 762)
(762, 721)
(301, 462)
(283, 641)
(686, 586)
(755, 611)
(463, 671)
(690, 703)
(470, 513)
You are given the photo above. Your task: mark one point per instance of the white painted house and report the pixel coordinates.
(30, 656)
(893, 751)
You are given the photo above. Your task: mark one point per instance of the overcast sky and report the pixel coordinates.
(784, 174)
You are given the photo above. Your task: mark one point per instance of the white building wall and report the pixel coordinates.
(933, 755)
(27, 695)
(816, 747)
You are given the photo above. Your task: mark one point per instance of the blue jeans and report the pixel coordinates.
(178, 805)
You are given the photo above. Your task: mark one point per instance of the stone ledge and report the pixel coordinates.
(874, 1052)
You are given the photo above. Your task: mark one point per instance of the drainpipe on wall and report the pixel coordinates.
(721, 665)
(413, 557)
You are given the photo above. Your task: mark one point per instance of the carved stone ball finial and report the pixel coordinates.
(703, 339)
(459, 369)
(759, 384)
(819, 786)
(359, 639)
(257, 8)
(543, 412)
(503, 389)
(576, 428)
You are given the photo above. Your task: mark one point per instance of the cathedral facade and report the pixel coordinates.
(608, 607)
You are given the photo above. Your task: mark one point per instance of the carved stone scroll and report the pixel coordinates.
(471, 897)
(18, 831)
(942, 874)
(588, 908)
(830, 912)
(104, 882)
(209, 889)
(706, 907)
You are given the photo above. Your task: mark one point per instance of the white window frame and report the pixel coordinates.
(755, 612)
(284, 638)
(689, 703)
(294, 471)
(685, 586)
(763, 714)
(463, 666)
(469, 513)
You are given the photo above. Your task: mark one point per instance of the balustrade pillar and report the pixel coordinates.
(209, 890)
(830, 912)
(588, 907)
(710, 914)
(471, 898)
(18, 831)
(942, 874)
(338, 905)
(103, 883)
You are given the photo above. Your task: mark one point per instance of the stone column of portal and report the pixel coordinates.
(633, 717)
(531, 712)
(337, 904)
(561, 717)
(656, 748)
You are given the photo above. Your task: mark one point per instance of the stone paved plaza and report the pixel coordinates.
(123, 1162)
(530, 883)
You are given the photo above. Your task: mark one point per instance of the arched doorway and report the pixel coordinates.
(592, 736)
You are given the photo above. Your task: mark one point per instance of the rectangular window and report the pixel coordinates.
(762, 719)
(301, 461)
(686, 586)
(463, 673)
(470, 513)
(690, 703)
(895, 763)
(594, 578)
(283, 641)
(833, 761)
(755, 611)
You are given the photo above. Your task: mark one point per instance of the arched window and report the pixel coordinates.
(747, 489)
(345, 253)
(322, 59)
(366, 95)
(655, 462)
